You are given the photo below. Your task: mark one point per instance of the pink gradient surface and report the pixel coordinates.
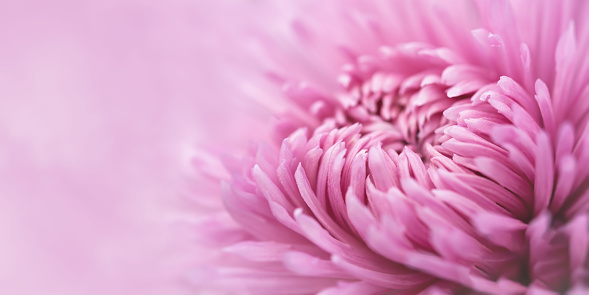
(97, 101)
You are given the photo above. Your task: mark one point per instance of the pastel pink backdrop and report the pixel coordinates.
(101, 103)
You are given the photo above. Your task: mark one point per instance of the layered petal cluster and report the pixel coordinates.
(446, 159)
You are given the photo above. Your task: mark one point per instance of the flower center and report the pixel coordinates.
(400, 96)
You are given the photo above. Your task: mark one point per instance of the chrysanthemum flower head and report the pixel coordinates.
(426, 147)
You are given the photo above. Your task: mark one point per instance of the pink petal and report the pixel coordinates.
(544, 174)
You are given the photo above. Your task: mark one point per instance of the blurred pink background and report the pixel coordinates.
(101, 103)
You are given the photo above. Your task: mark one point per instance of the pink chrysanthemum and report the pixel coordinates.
(426, 147)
